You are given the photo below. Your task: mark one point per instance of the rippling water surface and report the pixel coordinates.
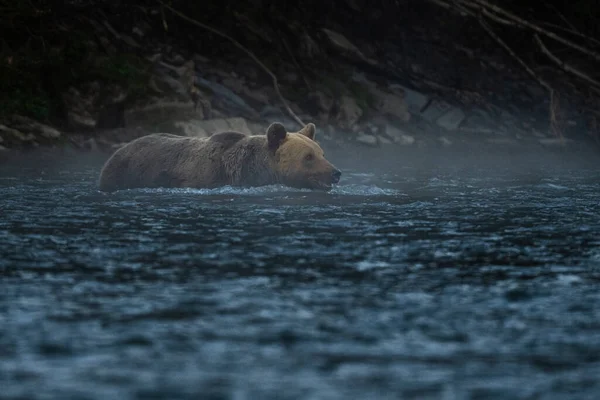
(397, 284)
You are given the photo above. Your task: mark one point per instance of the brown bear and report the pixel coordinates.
(293, 159)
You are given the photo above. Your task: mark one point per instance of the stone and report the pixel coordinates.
(398, 136)
(443, 114)
(27, 124)
(91, 145)
(342, 44)
(445, 141)
(392, 105)
(259, 96)
(384, 140)
(86, 102)
(138, 32)
(14, 133)
(155, 114)
(308, 47)
(129, 40)
(348, 112)
(369, 140)
(322, 101)
(228, 98)
(168, 84)
(434, 110)
(79, 121)
(387, 102)
(452, 119)
(206, 128)
(414, 100)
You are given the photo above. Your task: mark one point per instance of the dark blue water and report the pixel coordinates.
(411, 282)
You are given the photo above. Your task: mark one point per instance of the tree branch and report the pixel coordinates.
(563, 65)
(245, 50)
(553, 108)
(484, 4)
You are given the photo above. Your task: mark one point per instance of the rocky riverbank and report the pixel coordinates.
(421, 89)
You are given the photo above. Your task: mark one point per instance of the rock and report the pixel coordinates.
(79, 106)
(478, 119)
(29, 125)
(2, 148)
(445, 141)
(369, 140)
(129, 40)
(391, 104)
(259, 97)
(348, 112)
(235, 84)
(80, 121)
(85, 103)
(272, 113)
(439, 112)
(206, 128)
(322, 102)
(343, 45)
(308, 47)
(452, 119)
(169, 85)
(414, 100)
(111, 116)
(12, 133)
(434, 110)
(398, 136)
(153, 115)
(91, 144)
(384, 140)
(138, 32)
(227, 97)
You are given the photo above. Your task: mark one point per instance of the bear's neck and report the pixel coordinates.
(251, 163)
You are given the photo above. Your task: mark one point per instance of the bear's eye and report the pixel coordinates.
(309, 157)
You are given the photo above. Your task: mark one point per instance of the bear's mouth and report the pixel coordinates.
(320, 185)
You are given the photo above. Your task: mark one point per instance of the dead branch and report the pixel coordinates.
(572, 32)
(566, 67)
(572, 28)
(245, 50)
(565, 20)
(506, 47)
(553, 108)
(484, 4)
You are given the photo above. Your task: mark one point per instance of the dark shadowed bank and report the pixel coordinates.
(403, 78)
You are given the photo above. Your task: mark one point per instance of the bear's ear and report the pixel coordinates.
(276, 134)
(309, 131)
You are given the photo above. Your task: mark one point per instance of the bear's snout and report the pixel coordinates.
(335, 175)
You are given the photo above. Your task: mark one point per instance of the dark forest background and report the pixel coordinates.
(466, 52)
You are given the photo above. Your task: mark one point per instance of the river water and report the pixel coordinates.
(416, 281)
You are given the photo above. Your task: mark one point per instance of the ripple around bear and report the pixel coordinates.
(227, 158)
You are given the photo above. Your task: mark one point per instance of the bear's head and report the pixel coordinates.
(299, 160)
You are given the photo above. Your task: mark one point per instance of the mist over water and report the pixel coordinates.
(424, 274)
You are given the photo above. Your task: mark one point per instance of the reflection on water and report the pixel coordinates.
(393, 285)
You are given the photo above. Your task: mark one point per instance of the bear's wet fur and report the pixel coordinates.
(226, 158)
